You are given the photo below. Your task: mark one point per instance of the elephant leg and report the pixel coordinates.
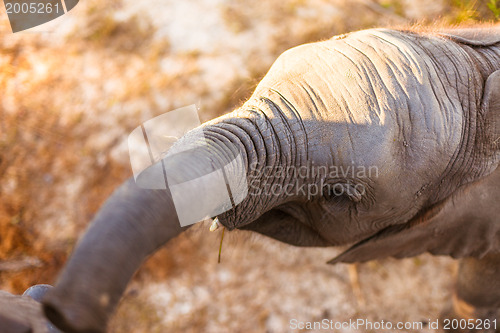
(476, 298)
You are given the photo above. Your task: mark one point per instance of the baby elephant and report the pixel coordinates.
(387, 140)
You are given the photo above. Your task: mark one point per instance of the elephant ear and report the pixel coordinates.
(474, 36)
(491, 114)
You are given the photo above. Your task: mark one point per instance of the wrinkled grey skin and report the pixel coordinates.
(424, 108)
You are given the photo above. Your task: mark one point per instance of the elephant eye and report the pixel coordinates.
(337, 196)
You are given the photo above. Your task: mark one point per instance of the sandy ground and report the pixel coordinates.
(73, 89)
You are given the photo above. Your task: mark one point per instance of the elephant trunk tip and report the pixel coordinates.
(68, 318)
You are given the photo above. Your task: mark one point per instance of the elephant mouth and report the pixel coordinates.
(280, 225)
(226, 220)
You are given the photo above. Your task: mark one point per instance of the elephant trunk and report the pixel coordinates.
(132, 224)
(135, 222)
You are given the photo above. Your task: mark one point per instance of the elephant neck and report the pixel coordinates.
(487, 59)
(469, 162)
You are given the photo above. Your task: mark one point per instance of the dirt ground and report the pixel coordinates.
(73, 89)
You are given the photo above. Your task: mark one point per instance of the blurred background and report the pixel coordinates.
(73, 89)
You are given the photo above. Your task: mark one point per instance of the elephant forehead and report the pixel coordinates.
(365, 79)
(375, 90)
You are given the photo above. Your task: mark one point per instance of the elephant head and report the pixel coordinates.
(343, 140)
